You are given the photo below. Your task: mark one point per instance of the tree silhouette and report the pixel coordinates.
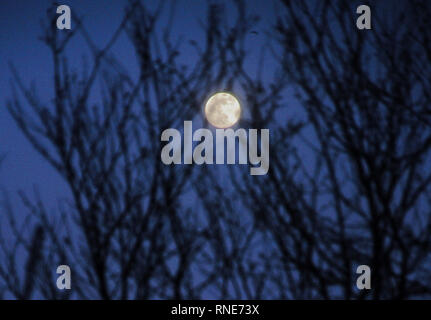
(348, 182)
(126, 233)
(366, 100)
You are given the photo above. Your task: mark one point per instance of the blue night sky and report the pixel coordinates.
(20, 25)
(320, 190)
(23, 168)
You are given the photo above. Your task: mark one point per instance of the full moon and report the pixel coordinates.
(222, 110)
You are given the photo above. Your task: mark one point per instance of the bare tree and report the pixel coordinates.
(125, 232)
(366, 97)
(348, 182)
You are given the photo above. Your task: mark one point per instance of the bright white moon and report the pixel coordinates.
(222, 110)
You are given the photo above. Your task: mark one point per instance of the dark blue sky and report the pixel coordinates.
(20, 27)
